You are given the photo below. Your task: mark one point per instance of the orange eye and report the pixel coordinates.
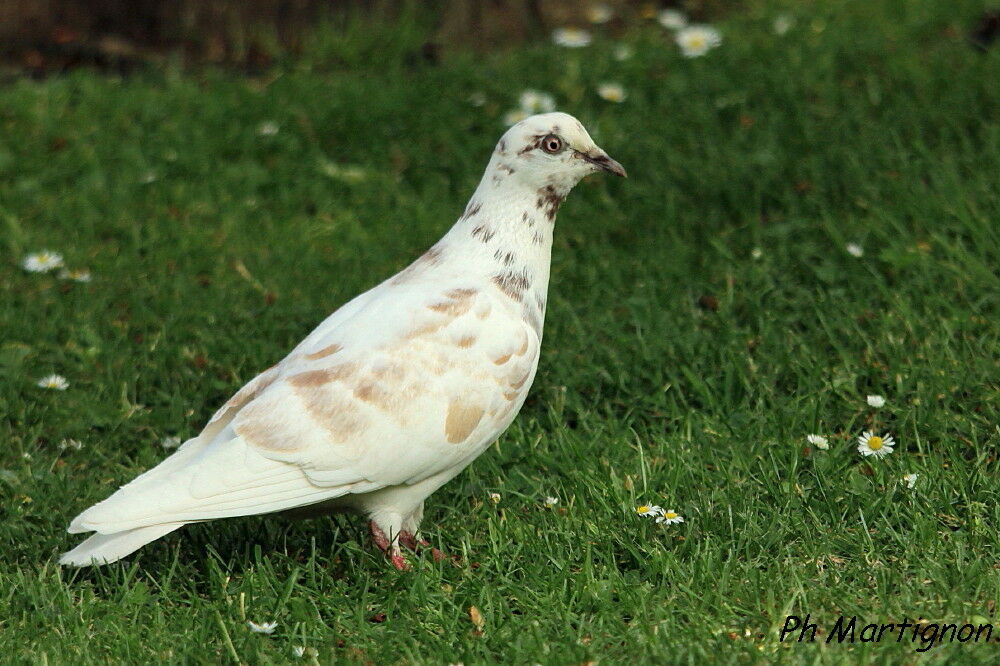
(552, 144)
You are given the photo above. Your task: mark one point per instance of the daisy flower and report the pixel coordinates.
(148, 177)
(53, 382)
(495, 498)
(876, 401)
(672, 19)
(599, 13)
(611, 92)
(263, 627)
(854, 250)
(622, 52)
(267, 128)
(299, 650)
(782, 24)
(910, 480)
(756, 253)
(76, 274)
(697, 40)
(649, 510)
(572, 38)
(74, 444)
(171, 442)
(870, 444)
(669, 517)
(551, 501)
(818, 441)
(42, 262)
(514, 117)
(532, 102)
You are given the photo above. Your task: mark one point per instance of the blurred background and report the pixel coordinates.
(42, 36)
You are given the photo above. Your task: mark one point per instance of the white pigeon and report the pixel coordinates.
(394, 393)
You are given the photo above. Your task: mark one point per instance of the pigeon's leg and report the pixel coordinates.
(410, 537)
(388, 543)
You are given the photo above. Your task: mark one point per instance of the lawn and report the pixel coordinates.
(705, 316)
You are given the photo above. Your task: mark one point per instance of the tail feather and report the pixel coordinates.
(106, 548)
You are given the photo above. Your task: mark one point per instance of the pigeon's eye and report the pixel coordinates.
(552, 144)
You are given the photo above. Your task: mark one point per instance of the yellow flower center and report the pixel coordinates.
(642, 509)
(696, 42)
(670, 515)
(875, 443)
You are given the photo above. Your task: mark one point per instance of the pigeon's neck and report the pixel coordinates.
(506, 234)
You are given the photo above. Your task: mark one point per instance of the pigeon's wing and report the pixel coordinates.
(415, 382)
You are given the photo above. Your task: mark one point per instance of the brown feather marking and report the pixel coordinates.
(372, 393)
(519, 383)
(513, 283)
(484, 233)
(466, 341)
(247, 393)
(470, 210)
(510, 395)
(335, 413)
(313, 378)
(548, 201)
(459, 293)
(325, 351)
(503, 359)
(524, 344)
(462, 419)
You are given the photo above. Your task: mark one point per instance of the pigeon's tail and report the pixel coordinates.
(106, 548)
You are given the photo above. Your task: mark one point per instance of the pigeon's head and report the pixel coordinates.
(551, 149)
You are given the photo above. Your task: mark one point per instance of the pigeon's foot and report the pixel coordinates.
(390, 549)
(414, 544)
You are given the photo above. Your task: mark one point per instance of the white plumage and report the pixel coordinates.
(394, 393)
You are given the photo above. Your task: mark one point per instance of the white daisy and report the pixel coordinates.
(514, 117)
(148, 177)
(818, 441)
(171, 442)
(697, 40)
(76, 275)
(876, 401)
(53, 382)
(572, 38)
(532, 102)
(756, 253)
(782, 24)
(551, 501)
(854, 250)
(622, 52)
(669, 517)
(910, 480)
(495, 498)
(26, 455)
(649, 510)
(267, 128)
(299, 650)
(74, 444)
(42, 262)
(611, 92)
(599, 13)
(263, 627)
(870, 444)
(477, 99)
(672, 19)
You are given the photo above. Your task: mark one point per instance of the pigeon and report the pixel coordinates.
(393, 394)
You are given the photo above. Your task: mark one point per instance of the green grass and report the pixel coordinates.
(873, 123)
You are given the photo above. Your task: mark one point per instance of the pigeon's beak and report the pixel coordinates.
(601, 160)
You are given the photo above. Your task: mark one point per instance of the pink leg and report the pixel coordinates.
(409, 541)
(382, 543)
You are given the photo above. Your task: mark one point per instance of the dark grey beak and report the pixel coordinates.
(605, 163)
